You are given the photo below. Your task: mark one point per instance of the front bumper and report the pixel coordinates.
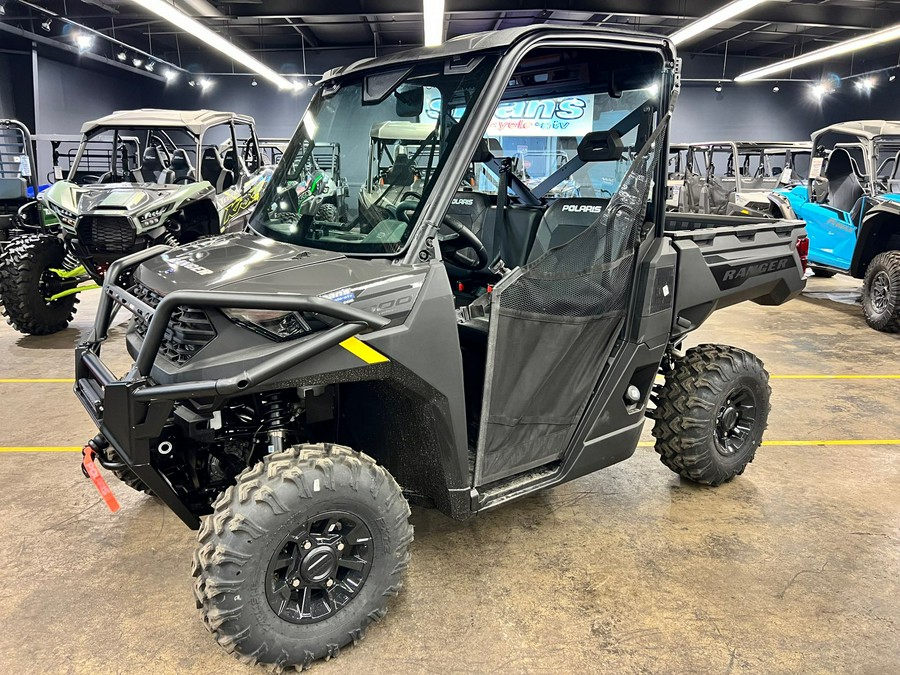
(132, 412)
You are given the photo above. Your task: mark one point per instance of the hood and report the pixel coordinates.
(249, 263)
(118, 198)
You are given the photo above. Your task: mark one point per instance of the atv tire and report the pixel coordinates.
(301, 555)
(881, 292)
(711, 413)
(327, 213)
(22, 268)
(823, 273)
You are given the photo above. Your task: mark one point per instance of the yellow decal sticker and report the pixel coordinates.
(363, 351)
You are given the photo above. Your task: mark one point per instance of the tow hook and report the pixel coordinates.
(96, 445)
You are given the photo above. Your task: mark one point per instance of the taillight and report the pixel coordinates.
(803, 252)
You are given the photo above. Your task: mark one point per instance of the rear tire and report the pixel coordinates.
(711, 413)
(301, 555)
(24, 268)
(823, 273)
(881, 292)
(327, 213)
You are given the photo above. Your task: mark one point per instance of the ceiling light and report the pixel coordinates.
(193, 83)
(865, 84)
(253, 82)
(653, 89)
(776, 88)
(299, 85)
(46, 24)
(819, 90)
(122, 56)
(892, 77)
(433, 20)
(150, 66)
(719, 87)
(712, 20)
(84, 41)
(856, 44)
(214, 40)
(137, 61)
(205, 84)
(170, 75)
(2, 8)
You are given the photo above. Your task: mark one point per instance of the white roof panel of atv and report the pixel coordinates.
(195, 121)
(867, 129)
(402, 131)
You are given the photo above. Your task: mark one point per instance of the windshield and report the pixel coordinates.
(125, 154)
(355, 175)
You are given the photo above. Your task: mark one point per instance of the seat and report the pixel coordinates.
(181, 169)
(564, 220)
(212, 170)
(232, 162)
(402, 172)
(844, 188)
(152, 167)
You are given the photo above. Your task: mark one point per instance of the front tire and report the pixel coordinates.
(301, 555)
(25, 281)
(881, 292)
(711, 413)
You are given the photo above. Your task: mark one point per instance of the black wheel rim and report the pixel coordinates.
(881, 290)
(735, 420)
(319, 567)
(50, 284)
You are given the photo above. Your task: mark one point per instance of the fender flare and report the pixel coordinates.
(879, 224)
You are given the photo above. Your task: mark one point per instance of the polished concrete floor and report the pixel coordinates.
(793, 567)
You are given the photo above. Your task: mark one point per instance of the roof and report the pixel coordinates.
(867, 129)
(402, 131)
(499, 40)
(195, 121)
(755, 145)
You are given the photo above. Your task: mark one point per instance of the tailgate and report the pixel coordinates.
(723, 260)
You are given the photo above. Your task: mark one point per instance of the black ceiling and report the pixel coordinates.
(773, 30)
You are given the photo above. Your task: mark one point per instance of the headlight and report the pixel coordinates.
(275, 324)
(152, 217)
(65, 216)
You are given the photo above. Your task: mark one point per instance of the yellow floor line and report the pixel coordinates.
(834, 377)
(41, 448)
(785, 444)
(35, 380)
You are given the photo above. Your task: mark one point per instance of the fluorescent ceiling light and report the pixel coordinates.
(433, 19)
(711, 20)
(841, 48)
(214, 40)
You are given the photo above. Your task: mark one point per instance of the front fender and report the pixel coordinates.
(878, 232)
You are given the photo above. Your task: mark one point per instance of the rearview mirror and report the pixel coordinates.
(410, 102)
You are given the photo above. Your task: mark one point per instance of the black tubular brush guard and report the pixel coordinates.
(131, 412)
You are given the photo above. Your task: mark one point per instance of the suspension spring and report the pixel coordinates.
(276, 417)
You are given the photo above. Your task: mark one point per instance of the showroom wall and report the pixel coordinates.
(70, 93)
(15, 87)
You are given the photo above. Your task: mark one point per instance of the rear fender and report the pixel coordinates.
(879, 232)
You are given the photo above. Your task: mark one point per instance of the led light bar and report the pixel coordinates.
(198, 30)
(433, 19)
(841, 48)
(712, 20)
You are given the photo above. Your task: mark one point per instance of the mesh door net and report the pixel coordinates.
(552, 324)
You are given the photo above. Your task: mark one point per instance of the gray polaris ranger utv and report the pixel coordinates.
(300, 383)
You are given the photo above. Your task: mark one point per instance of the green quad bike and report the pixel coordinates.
(295, 386)
(139, 178)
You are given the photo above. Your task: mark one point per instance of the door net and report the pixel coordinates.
(555, 320)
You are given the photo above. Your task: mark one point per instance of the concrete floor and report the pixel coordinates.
(793, 567)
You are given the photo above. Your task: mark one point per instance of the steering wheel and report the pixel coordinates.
(410, 194)
(404, 208)
(459, 239)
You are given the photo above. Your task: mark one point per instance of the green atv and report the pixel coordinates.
(131, 184)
